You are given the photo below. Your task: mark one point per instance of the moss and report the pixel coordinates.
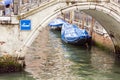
(101, 46)
(10, 64)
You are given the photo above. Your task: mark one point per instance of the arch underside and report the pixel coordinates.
(110, 24)
(103, 15)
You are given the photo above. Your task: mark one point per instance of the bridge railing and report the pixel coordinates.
(73, 1)
(115, 5)
(18, 7)
(117, 2)
(24, 7)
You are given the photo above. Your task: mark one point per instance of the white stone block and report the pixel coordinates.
(92, 6)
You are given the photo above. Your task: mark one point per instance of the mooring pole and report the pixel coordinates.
(71, 16)
(70, 21)
(92, 25)
(63, 14)
(83, 20)
(16, 6)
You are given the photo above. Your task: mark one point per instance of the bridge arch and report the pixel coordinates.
(92, 9)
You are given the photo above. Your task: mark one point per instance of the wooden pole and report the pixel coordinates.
(79, 24)
(92, 25)
(79, 19)
(15, 7)
(63, 15)
(71, 16)
(83, 21)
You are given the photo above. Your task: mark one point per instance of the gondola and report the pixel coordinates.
(56, 23)
(72, 34)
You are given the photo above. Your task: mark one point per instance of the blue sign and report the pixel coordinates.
(25, 24)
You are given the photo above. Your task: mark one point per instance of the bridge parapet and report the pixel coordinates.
(18, 7)
(29, 8)
(81, 1)
(116, 1)
(115, 5)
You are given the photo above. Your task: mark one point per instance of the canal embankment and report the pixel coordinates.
(10, 64)
(102, 41)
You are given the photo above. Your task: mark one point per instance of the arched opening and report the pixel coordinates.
(109, 23)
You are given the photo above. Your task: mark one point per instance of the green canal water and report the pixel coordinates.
(96, 64)
(74, 63)
(16, 76)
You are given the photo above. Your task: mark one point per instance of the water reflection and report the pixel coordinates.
(96, 64)
(101, 61)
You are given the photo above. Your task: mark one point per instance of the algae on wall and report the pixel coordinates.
(10, 64)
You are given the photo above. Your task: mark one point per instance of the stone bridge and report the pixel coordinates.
(15, 41)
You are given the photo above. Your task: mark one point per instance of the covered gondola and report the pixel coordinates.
(56, 23)
(72, 34)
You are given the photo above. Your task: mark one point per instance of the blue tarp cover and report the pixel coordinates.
(56, 23)
(71, 33)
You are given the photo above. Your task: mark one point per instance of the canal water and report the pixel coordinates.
(16, 76)
(51, 59)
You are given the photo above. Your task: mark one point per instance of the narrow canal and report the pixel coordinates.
(49, 58)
